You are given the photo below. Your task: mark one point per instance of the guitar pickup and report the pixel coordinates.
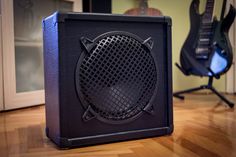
(202, 50)
(202, 53)
(205, 40)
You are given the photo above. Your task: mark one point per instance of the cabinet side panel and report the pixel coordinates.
(51, 64)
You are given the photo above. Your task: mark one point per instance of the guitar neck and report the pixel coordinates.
(143, 5)
(207, 17)
(205, 34)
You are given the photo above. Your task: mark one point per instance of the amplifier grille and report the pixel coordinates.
(117, 77)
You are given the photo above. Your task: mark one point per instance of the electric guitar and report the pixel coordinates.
(207, 50)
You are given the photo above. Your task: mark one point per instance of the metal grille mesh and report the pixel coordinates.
(118, 78)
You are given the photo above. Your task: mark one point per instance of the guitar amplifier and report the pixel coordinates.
(107, 78)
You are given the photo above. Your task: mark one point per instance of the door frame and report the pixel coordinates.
(1, 67)
(12, 99)
(231, 74)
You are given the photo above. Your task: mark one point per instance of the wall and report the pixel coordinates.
(178, 10)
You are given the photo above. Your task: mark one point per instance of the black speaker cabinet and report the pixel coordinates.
(107, 78)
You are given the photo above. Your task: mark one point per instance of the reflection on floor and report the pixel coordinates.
(203, 127)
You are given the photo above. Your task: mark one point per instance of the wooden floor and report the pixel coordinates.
(203, 127)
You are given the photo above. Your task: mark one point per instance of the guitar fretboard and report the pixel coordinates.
(206, 32)
(143, 5)
(207, 17)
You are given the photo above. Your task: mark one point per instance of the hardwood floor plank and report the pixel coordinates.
(143, 151)
(170, 143)
(158, 149)
(204, 127)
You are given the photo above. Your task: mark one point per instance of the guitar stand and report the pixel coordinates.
(208, 86)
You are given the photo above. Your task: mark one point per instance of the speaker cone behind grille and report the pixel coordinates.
(116, 77)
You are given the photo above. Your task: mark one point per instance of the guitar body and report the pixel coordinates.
(219, 52)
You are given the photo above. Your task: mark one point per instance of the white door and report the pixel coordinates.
(22, 48)
(231, 74)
